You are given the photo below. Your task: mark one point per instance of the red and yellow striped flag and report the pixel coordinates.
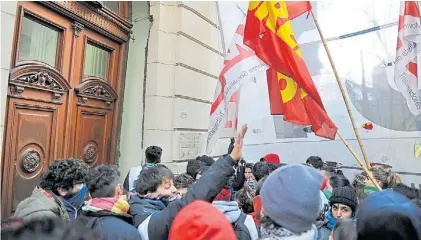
(292, 92)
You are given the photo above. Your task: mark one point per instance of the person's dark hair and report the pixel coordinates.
(153, 154)
(345, 229)
(208, 161)
(272, 166)
(245, 200)
(249, 165)
(64, 173)
(183, 181)
(48, 229)
(262, 169)
(407, 191)
(193, 167)
(102, 181)
(149, 179)
(339, 181)
(329, 171)
(259, 185)
(340, 172)
(391, 225)
(316, 162)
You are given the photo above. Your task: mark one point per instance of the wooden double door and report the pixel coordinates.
(63, 93)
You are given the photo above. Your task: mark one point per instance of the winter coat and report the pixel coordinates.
(323, 233)
(157, 225)
(110, 226)
(41, 204)
(142, 208)
(108, 217)
(232, 212)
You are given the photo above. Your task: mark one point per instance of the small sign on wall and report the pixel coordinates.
(190, 145)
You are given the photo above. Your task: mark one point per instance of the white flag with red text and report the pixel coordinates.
(409, 37)
(240, 66)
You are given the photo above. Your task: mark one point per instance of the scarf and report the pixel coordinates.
(166, 199)
(272, 232)
(110, 204)
(331, 220)
(74, 202)
(370, 189)
(148, 165)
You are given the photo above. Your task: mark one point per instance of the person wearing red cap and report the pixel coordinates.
(273, 158)
(201, 221)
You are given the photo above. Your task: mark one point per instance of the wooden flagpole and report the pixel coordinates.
(357, 134)
(369, 174)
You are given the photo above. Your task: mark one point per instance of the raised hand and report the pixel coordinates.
(237, 152)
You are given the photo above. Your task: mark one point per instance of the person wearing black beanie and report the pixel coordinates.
(343, 203)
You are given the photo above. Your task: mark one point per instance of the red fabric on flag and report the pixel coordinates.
(275, 98)
(296, 9)
(412, 9)
(276, 45)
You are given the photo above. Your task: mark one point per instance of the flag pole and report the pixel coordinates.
(357, 134)
(369, 174)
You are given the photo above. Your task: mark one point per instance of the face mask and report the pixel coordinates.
(77, 199)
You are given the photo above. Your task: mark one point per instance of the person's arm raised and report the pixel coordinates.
(206, 189)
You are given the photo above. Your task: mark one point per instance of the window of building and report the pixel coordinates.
(96, 61)
(38, 42)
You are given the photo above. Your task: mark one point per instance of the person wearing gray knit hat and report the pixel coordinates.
(291, 201)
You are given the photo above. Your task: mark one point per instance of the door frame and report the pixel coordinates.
(102, 21)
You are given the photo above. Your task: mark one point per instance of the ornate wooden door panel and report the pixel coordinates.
(67, 70)
(37, 100)
(36, 107)
(92, 138)
(97, 64)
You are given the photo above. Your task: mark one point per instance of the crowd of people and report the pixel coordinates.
(225, 199)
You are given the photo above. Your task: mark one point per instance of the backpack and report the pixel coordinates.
(240, 229)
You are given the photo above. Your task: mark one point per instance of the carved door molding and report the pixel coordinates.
(38, 76)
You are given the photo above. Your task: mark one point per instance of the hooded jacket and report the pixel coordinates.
(41, 204)
(157, 225)
(232, 213)
(142, 208)
(201, 221)
(108, 217)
